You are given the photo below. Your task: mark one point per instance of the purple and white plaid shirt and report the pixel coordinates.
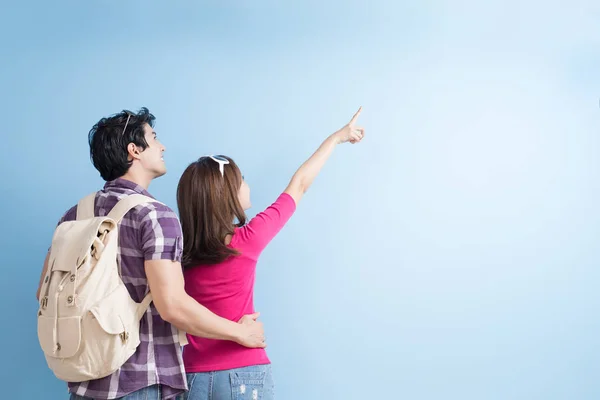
(147, 232)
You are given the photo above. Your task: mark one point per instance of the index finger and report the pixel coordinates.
(355, 117)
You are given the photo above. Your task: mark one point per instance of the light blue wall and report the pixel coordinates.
(451, 255)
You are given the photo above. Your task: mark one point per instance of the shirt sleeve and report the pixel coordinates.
(258, 233)
(161, 235)
(70, 215)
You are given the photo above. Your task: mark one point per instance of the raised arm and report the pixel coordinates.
(305, 175)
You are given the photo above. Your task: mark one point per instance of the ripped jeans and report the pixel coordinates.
(248, 383)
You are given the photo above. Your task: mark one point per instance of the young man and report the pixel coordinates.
(125, 150)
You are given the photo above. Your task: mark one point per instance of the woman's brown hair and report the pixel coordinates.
(208, 206)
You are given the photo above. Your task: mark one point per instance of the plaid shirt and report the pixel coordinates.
(148, 232)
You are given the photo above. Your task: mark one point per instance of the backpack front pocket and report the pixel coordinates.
(59, 337)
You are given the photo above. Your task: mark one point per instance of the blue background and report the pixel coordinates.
(451, 255)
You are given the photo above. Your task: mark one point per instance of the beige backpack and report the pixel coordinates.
(88, 324)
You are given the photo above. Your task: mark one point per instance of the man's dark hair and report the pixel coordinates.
(110, 137)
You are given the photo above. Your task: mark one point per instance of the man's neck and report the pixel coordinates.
(138, 180)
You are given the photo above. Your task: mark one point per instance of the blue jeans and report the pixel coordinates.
(248, 383)
(149, 393)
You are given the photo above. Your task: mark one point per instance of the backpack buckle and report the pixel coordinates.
(44, 302)
(124, 336)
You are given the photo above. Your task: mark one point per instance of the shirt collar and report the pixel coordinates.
(121, 183)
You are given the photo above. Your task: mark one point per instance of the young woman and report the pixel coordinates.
(220, 257)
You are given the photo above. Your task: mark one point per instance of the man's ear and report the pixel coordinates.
(133, 151)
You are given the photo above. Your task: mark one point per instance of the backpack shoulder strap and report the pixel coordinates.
(143, 307)
(85, 207)
(126, 204)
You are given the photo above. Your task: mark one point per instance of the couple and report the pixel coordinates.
(200, 271)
